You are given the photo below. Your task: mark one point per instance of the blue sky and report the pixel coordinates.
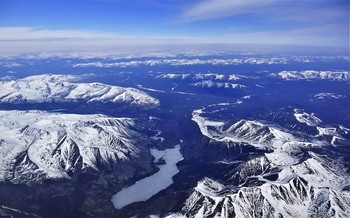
(81, 24)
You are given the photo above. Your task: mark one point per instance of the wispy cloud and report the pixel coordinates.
(330, 35)
(293, 10)
(8, 34)
(288, 22)
(211, 9)
(30, 33)
(29, 39)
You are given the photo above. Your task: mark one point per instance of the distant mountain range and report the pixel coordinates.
(314, 74)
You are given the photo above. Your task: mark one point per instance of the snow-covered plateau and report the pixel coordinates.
(64, 88)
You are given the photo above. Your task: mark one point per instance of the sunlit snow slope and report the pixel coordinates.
(63, 88)
(35, 145)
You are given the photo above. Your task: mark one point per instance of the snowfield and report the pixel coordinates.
(64, 88)
(35, 145)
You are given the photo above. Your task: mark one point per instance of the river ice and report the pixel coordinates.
(145, 188)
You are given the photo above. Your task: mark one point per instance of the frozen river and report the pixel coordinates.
(145, 188)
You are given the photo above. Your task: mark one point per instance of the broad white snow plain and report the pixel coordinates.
(145, 188)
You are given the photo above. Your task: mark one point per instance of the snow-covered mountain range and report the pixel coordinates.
(201, 76)
(64, 88)
(211, 84)
(314, 74)
(102, 63)
(315, 187)
(250, 132)
(286, 181)
(207, 80)
(271, 140)
(184, 62)
(36, 145)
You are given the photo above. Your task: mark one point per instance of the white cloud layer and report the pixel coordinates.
(19, 40)
(28, 39)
